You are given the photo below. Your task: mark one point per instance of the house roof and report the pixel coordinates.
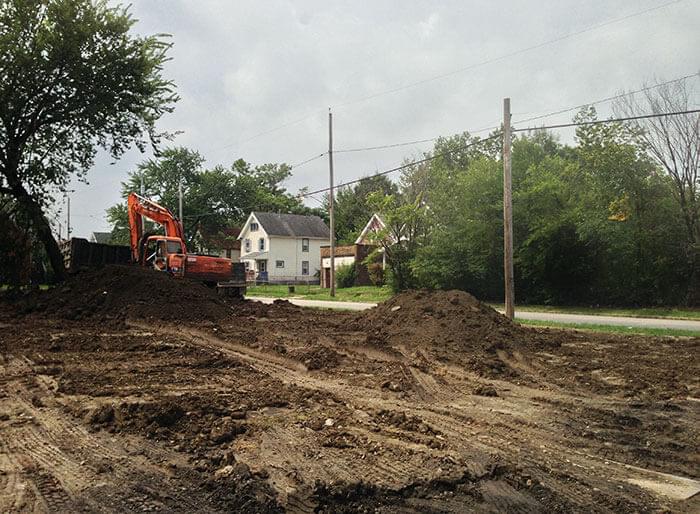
(375, 224)
(227, 239)
(102, 237)
(292, 225)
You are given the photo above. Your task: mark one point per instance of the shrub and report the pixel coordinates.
(345, 275)
(376, 273)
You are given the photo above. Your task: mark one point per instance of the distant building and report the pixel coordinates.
(353, 254)
(101, 237)
(224, 244)
(283, 248)
(374, 225)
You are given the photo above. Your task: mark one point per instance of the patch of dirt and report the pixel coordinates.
(320, 357)
(450, 326)
(117, 291)
(439, 405)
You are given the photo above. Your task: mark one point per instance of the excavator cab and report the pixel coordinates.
(165, 253)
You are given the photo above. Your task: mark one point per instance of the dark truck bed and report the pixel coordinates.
(79, 253)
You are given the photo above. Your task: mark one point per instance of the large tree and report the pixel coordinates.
(73, 79)
(213, 199)
(674, 142)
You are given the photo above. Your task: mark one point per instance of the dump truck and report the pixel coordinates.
(163, 253)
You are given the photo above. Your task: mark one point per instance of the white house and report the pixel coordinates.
(283, 248)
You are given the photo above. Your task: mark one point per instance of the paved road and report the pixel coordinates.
(677, 324)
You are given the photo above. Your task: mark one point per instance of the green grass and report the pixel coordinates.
(610, 329)
(641, 312)
(43, 287)
(380, 294)
(350, 294)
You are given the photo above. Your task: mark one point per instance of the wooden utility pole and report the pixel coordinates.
(507, 213)
(179, 190)
(68, 217)
(330, 199)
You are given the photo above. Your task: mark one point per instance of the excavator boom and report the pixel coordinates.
(140, 207)
(169, 254)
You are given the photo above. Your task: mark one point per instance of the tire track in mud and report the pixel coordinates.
(383, 472)
(479, 431)
(47, 460)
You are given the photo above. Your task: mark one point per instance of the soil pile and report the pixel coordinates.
(451, 326)
(128, 291)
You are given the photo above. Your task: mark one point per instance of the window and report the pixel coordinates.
(304, 267)
(174, 247)
(247, 245)
(279, 264)
(253, 227)
(262, 266)
(228, 253)
(261, 244)
(305, 245)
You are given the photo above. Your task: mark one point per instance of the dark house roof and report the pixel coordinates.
(292, 225)
(227, 239)
(102, 237)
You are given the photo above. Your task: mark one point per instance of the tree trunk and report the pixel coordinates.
(41, 225)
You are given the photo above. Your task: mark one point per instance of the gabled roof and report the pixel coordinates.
(375, 224)
(227, 239)
(292, 225)
(102, 237)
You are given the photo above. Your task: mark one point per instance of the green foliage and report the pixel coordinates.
(593, 223)
(404, 232)
(345, 276)
(352, 210)
(72, 79)
(375, 270)
(213, 199)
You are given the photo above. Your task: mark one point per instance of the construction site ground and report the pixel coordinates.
(126, 391)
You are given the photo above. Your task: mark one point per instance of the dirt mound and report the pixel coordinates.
(451, 326)
(128, 291)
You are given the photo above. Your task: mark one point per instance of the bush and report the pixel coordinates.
(345, 275)
(376, 274)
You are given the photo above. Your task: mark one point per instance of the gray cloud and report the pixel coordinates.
(245, 67)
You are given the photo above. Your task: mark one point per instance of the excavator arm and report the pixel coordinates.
(140, 207)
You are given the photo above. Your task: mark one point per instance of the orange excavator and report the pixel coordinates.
(168, 253)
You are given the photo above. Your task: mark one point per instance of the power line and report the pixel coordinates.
(348, 150)
(271, 130)
(608, 99)
(511, 54)
(495, 127)
(459, 70)
(402, 167)
(611, 120)
(498, 136)
(299, 164)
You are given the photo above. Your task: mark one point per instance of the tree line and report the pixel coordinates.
(612, 218)
(601, 221)
(215, 199)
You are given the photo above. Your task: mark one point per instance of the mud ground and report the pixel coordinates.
(121, 392)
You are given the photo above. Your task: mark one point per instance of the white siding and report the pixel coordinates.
(339, 261)
(254, 237)
(289, 250)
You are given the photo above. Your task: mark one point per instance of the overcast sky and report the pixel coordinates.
(249, 67)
